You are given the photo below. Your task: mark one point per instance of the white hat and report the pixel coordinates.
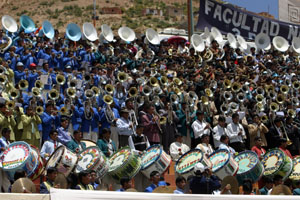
(199, 168)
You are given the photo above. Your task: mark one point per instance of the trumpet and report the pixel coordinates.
(162, 120)
(60, 79)
(39, 110)
(23, 84)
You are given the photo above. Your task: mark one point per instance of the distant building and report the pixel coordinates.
(175, 12)
(152, 11)
(111, 10)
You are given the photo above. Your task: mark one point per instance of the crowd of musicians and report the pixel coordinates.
(116, 94)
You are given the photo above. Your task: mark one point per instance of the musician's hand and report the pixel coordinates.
(2, 149)
(46, 155)
(207, 126)
(240, 133)
(77, 150)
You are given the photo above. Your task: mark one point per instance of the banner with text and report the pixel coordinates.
(229, 19)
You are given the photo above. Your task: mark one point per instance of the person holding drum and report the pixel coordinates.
(84, 181)
(50, 145)
(138, 142)
(105, 144)
(224, 144)
(125, 127)
(75, 144)
(63, 134)
(46, 185)
(219, 130)
(4, 142)
(258, 149)
(204, 146)
(177, 148)
(203, 182)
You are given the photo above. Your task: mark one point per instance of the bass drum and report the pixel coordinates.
(249, 167)
(276, 162)
(92, 159)
(63, 160)
(39, 168)
(124, 163)
(295, 175)
(89, 143)
(185, 164)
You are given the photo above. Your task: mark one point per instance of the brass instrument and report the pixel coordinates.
(38, 84)
(162, 120)
(89, 94)
(78, 58)
(289, 142)
(3, 79)
(235, 87)
(193, 95)
(245, 89)
(108, 99)
(156, 100)
(280, 99)
(122, 76)
(259, 98)
(140, 100)
(53, 94)
(157, 90)
(60, 79)
(66, 111)
(227, 96)
(204, 100)
(36, 92)
(71, 92)
(260, 107)
(72, 83)
(147, 90)
(260, 91)
(87, 77)
(177, 81)
(227, 83)
(292, 113)
(270, 88)
(141, 81)
(208, 92)
(284, 89)
(96, 91)
(23, 84)
(2, 70)
(274, 107)
(295, 101)
(208, 56)
(234, 107)
(224, 108)
(153, 82)
(109, 89)
(87, 110)
(10, 105)
(133, 92)
(296, 85)
(39, 110)
(14, 94)
(241, 97)
(177, 91)
(272, 94)
(164, 81)
(264, 119)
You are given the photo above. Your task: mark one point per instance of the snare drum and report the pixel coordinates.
(223, 164)
(124, 163)
(155, 159)
(18, 155)
(249, 167)
(92, 159)
(89, 143)
(276, 162)
(38, 169)
(295, 175)
(63, 160)
(185, 164)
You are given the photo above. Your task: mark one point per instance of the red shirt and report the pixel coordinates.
(259, 151)
(287, 152)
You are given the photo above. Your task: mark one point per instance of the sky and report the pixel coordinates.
(258, 5)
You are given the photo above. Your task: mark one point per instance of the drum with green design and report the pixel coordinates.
(249, 167)
(276, 162)
(124, 163)
(295, 175)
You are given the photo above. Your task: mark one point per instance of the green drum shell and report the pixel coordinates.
(128, 168)
(254, 173)
(284, 170)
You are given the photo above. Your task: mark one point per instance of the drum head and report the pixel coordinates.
(273, 160)
(218, 159)
(89, 143)
(296, 170)
(36, 155)
(188, 160)
(150, 156)
(247, 161)
(88, 159)
(23, 184)
(55, 157)
(15, 156)
(119, 158)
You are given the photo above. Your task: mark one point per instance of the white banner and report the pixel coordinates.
(18, 196)
(59, 194)
(289, 11)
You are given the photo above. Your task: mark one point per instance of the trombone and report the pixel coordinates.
(289, 142)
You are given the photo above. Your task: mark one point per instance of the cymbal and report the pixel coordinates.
(233, 183)
(281, 190)
(61, 180)
(163, 189)
(23, 184)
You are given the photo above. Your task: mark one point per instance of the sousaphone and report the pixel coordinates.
(9, 24)
(27, 24)
(197, 42)
(296, 44)
(262, 41)
(152, 36)
(241, 42)
(47, 29)
(106, 33)
(89, 32)
(232, 41)
(216, 34)
(126, 34)
(280, 43)
(73, 32)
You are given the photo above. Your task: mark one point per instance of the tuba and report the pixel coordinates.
(274, 107)
(39, 110)
(110, 117)
(236, 87)
(14, 94)
(109, 89)
(60, 79)
(122, 76)
(133, 92)
(53, 94)
(36, 92)
(292, 113)
(71, 92)
(280, 99)
(147, 90)
(153, 82)
(23, 84)
(38, 84)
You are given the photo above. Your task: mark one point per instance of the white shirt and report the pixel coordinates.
(49, 147)
(228, 148)
(177, 147)
(206, 149)
(123, 127)
(198, 128)
(218, 132)
(233, 131)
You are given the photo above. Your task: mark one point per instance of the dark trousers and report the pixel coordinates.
(238, 146)
(123, 141)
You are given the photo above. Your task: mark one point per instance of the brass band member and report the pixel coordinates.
(150, 122)
(236, 133)
(257, 129)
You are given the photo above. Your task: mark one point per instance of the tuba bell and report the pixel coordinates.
(153, 82)
(38, 84)
(227, 95)
(241, 97)
(39, 110)
(71, 92)
(193, 95)
(60, 79)
(162, 120)
(133, 92)
(174, 99)
(259, 98)
(109, 89)
(36, 92)
(235, 87)
(292, 113)
(23, 84)
(204, 100)
(3, 79)
(3, 70)
(122, 76)
(284, 89)
(14, 94)
(208, 92)
(260, 91)
(89, 94)
(280, 99)
(177, 81)
(108, 99)
(224, 108)
(10, 105)
(96, 90)
(72, 83)
(164, 81)
(264, 119)
(296, 85)
(147, 90)
(274, 107)
(227, 83)
(53, 94)
(233, 106)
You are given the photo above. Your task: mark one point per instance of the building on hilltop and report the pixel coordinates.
(111, 10)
